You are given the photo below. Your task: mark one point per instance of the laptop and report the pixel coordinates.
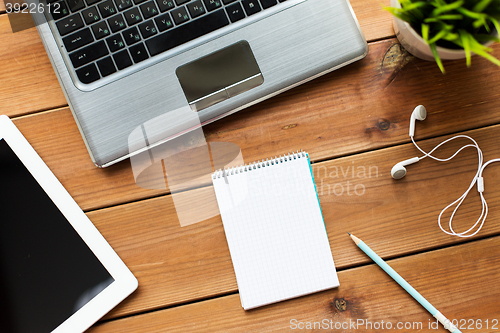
(121, 63)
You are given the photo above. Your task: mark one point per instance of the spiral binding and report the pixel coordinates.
(258, 164)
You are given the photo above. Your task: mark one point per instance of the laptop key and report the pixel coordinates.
(116, 23)
(165, 5)
(268, 3)
(78, 39)
(91, 2)
(122, 59)
(75, 5)
(149, 10)
(180, 15)
(106, 66)
(69, 24)
(88, 54)
(195, 8)
(62, 11)
(91, 15)
(131, 36)
(88, 74)
(235, 12)
(251, 6)
(107, 8)
(212, 4)
(123, 4)
(115, 42)
(164, 22)
(185, 33)
(148, 29)
(100, 30)
(180, 2)
(138, 52)
(227, 1)
(132, 16)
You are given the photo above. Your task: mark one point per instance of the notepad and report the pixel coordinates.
(275, 230)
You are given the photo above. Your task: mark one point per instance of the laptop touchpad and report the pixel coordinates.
(219, 76)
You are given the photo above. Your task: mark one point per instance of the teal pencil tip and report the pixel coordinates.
(349, 233)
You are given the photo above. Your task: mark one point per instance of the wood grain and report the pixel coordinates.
(461, 282)
(29, 83)
(175, 265)
(360, 110)
(362, 107)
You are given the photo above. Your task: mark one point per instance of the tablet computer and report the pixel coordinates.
(57, 272)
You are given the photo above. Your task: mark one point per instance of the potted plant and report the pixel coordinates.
(447, 29)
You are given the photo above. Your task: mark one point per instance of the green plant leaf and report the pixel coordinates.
(481, 5)
(482, 50)
(466, 45)
(446, 8)
(425, 32)
(481, 23)
(470, 14)
(400, 14)
(443, 26)
(438, 3)
(414, 9)
(444, 17)
(487, 56)
(451, 37)
(414, 5)
(438, 59)
(438, 36)
(497, 27)
(476, 46)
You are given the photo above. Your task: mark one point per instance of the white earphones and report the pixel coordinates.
(399, 171)
(419, 113)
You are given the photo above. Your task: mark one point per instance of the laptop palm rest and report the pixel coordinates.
(220, 75)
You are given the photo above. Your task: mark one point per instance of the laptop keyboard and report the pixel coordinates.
(103, 37)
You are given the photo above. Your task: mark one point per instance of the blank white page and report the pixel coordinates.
(275, 230)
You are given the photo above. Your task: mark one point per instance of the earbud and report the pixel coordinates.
(399, 171)
(419, 113)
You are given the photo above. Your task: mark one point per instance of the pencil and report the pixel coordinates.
(406, 286)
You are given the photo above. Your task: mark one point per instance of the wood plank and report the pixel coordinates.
(29, 83)
(375, 22)
(176, 264)
(358, 108)
(451, 279)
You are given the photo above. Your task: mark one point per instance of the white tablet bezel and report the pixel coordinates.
(125, 282)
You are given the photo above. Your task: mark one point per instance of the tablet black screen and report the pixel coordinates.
(47, 272)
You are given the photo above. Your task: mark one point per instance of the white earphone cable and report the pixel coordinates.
(477, 179)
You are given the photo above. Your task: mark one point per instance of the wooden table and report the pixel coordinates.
(353, 119)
